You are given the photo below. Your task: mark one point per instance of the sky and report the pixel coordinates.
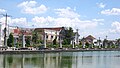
(99, 18)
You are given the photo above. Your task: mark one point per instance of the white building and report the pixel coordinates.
(51, 33)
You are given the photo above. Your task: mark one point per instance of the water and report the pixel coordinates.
(95, 59)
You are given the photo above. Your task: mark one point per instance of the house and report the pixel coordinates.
(51, 33)
(18, 32)
(89, 39)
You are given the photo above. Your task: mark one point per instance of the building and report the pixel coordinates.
(19, 32)
(51, 33)
(89, 39)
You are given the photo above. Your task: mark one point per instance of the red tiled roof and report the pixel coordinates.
(57, 28)
(16, 31)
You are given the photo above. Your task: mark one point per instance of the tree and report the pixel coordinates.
(105, 42)
(27, 40)
(87, 44)
(68, 36)
(10, 40)
(35, 37)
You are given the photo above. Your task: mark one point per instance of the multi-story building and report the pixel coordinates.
(51, 33)
(18, 32)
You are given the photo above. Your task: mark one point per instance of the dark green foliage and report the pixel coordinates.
(35, 37)
(10, 40)
(27, 40)
(87, 44)
(68, 36)
(105, 42)
(65, 41)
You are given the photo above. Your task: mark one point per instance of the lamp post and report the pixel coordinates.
(99, 43)
(106, 45)
(73, 40)
(60, 40)
(45, 40)
(77, 38)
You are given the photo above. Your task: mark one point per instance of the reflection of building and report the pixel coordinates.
(52, 33)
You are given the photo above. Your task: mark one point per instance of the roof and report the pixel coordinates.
(90, 37)
(56, 28)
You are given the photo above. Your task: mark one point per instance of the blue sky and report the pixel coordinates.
(99, 18)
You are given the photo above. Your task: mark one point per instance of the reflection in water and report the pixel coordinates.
(96, 59)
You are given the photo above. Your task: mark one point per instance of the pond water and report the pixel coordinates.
(91, 59)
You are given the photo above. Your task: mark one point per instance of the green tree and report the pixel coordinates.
(34, 37)
(68, 36)
(105, 42)
(27, 40)
(87, 44)
(10, 40)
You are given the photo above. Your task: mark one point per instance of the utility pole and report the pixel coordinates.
(77, 40)
(45, 40)
(99, 43)
(106, 37)
(0, 35)
(106, 45)
(5, 29)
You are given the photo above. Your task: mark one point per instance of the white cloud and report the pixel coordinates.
(98, 20)
(43, 22)
(115, 27)
(67, 12)
(101, 5)
(113, 11)
(20, 22)
(67, 22)
(30, 7)
(2, 10)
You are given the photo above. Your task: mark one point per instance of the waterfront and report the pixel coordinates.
(90, 59)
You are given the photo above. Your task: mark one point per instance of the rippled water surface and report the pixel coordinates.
(95, 59)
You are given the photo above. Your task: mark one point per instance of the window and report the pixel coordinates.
(47, 36)
(51, 37)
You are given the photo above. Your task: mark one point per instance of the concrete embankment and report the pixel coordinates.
(52, 51)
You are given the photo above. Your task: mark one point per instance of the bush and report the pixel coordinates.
(87, 45)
